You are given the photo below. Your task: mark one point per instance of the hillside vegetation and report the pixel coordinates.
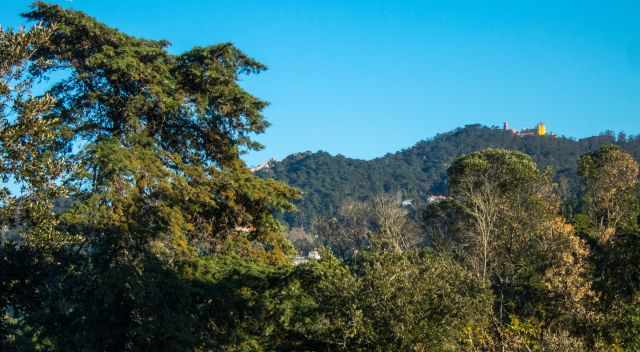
(327, 181)
(138, 227)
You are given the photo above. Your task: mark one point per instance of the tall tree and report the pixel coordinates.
(610, 217)
(496, 187)
(610, 179)
(515, 240)
(130, 172)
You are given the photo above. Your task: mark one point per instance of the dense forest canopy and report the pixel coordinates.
(142, 147)
(139, 228)
(420, 171)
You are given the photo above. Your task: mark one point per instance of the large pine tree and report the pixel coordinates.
(131, 178)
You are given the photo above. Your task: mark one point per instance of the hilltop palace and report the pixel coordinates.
(539, 130)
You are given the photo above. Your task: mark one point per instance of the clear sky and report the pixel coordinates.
(363, 78)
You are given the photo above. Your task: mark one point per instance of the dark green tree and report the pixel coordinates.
(609, 219)
(385, 301)
(130, 172)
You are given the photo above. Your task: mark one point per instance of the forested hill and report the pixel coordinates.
(419, 171)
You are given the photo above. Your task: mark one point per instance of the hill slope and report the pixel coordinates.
(418, 171)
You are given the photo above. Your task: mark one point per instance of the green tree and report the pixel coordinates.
(609, 218)
(610, 182)
(130, 173)
(515, 240)
(617, 279)
(386, 301)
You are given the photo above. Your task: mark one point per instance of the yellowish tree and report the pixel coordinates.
(610, 179)
(515, 240)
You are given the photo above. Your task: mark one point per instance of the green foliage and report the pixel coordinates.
(138, 227)
(617, 279)
(328, 181)
(624, 323)
(510, 171)
(385, 301)
(609, 220)
(503, 223)
(610, 197)
(130, 170)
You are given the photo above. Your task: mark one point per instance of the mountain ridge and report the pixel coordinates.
(327, 180)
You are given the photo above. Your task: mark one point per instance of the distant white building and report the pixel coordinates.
(263, 165)
(407, 203)
(434, 198)
(312, 255)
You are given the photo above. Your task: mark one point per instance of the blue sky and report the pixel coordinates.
(363, 78)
